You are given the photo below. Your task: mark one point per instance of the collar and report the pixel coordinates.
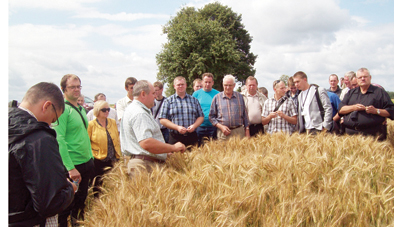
(370, 89)
(225, 96)
(283, 97)
(186, 95)
(27, 110)
(136, 102)
(249, 95)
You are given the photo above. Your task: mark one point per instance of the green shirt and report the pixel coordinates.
(73, 138)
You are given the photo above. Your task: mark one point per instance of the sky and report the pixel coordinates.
(106, 41)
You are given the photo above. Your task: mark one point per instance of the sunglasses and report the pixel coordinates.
(105, 110)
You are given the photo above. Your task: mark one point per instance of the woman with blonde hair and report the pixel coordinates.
(104, 138)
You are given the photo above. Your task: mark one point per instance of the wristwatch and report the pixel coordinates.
(378, 111)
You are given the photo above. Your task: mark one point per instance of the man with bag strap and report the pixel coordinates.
(74, 146)
(158, 86)
(314, 106)
(279, 112)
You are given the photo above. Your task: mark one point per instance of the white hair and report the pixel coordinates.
(229, 77)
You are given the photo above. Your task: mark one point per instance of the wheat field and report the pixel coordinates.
(270, 180)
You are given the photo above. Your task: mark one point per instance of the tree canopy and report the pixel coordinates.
(212, 39)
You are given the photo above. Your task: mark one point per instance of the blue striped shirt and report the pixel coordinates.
(183, 112)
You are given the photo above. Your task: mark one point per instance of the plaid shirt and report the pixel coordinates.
(278, 124)
(183, 112)
(229, 112)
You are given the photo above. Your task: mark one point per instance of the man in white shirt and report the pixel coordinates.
(124, 102)
(140, 136)
(254, 103)
(314, 110)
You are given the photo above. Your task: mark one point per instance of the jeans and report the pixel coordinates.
(208, 132)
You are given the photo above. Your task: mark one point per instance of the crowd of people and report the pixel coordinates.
(57, 150)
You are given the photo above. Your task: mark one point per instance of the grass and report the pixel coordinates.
(276, 180)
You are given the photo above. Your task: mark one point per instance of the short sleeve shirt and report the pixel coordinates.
(138, 124)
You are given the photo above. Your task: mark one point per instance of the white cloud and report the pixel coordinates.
(317, 37)
(46, 53)
(68, 5)
(120, 16)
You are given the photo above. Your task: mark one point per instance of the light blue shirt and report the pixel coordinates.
(205, 100)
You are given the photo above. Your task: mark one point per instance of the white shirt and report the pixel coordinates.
(121, 106)
(138, 124)
(305, 109)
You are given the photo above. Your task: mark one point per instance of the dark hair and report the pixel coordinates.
(264, 91)
(207, 75)
(45, 91)
(300, 74)
(99, 94)
(130, 81)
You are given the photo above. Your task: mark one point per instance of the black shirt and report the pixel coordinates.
(374, 96)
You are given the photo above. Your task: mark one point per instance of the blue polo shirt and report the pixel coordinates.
(205, 100)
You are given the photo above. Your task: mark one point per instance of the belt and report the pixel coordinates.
(148, 158)
(254, 125)
(178, 134)
(235, 127)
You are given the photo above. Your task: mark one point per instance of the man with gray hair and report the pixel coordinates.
(228, 112)
(365, 108)
(346, 80)
(140, 137)
(38, 189)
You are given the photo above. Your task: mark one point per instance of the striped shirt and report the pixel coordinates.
(229, 112)
(278, 124)
(183, 112)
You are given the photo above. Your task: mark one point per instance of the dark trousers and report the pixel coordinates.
(379, 131)
(100, 168)
(187, 138)
(208, 132)
(77, 206)
(255, 129)
(166, 134)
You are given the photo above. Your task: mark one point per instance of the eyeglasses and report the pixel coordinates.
(105, 109)
(75, 87)
(57, 118)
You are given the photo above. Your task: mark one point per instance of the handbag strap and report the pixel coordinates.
(158, 109)
(83, 120)
(280, 103)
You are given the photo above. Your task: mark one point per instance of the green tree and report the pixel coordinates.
(284, 78)
(212, 39)
(391, 94)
